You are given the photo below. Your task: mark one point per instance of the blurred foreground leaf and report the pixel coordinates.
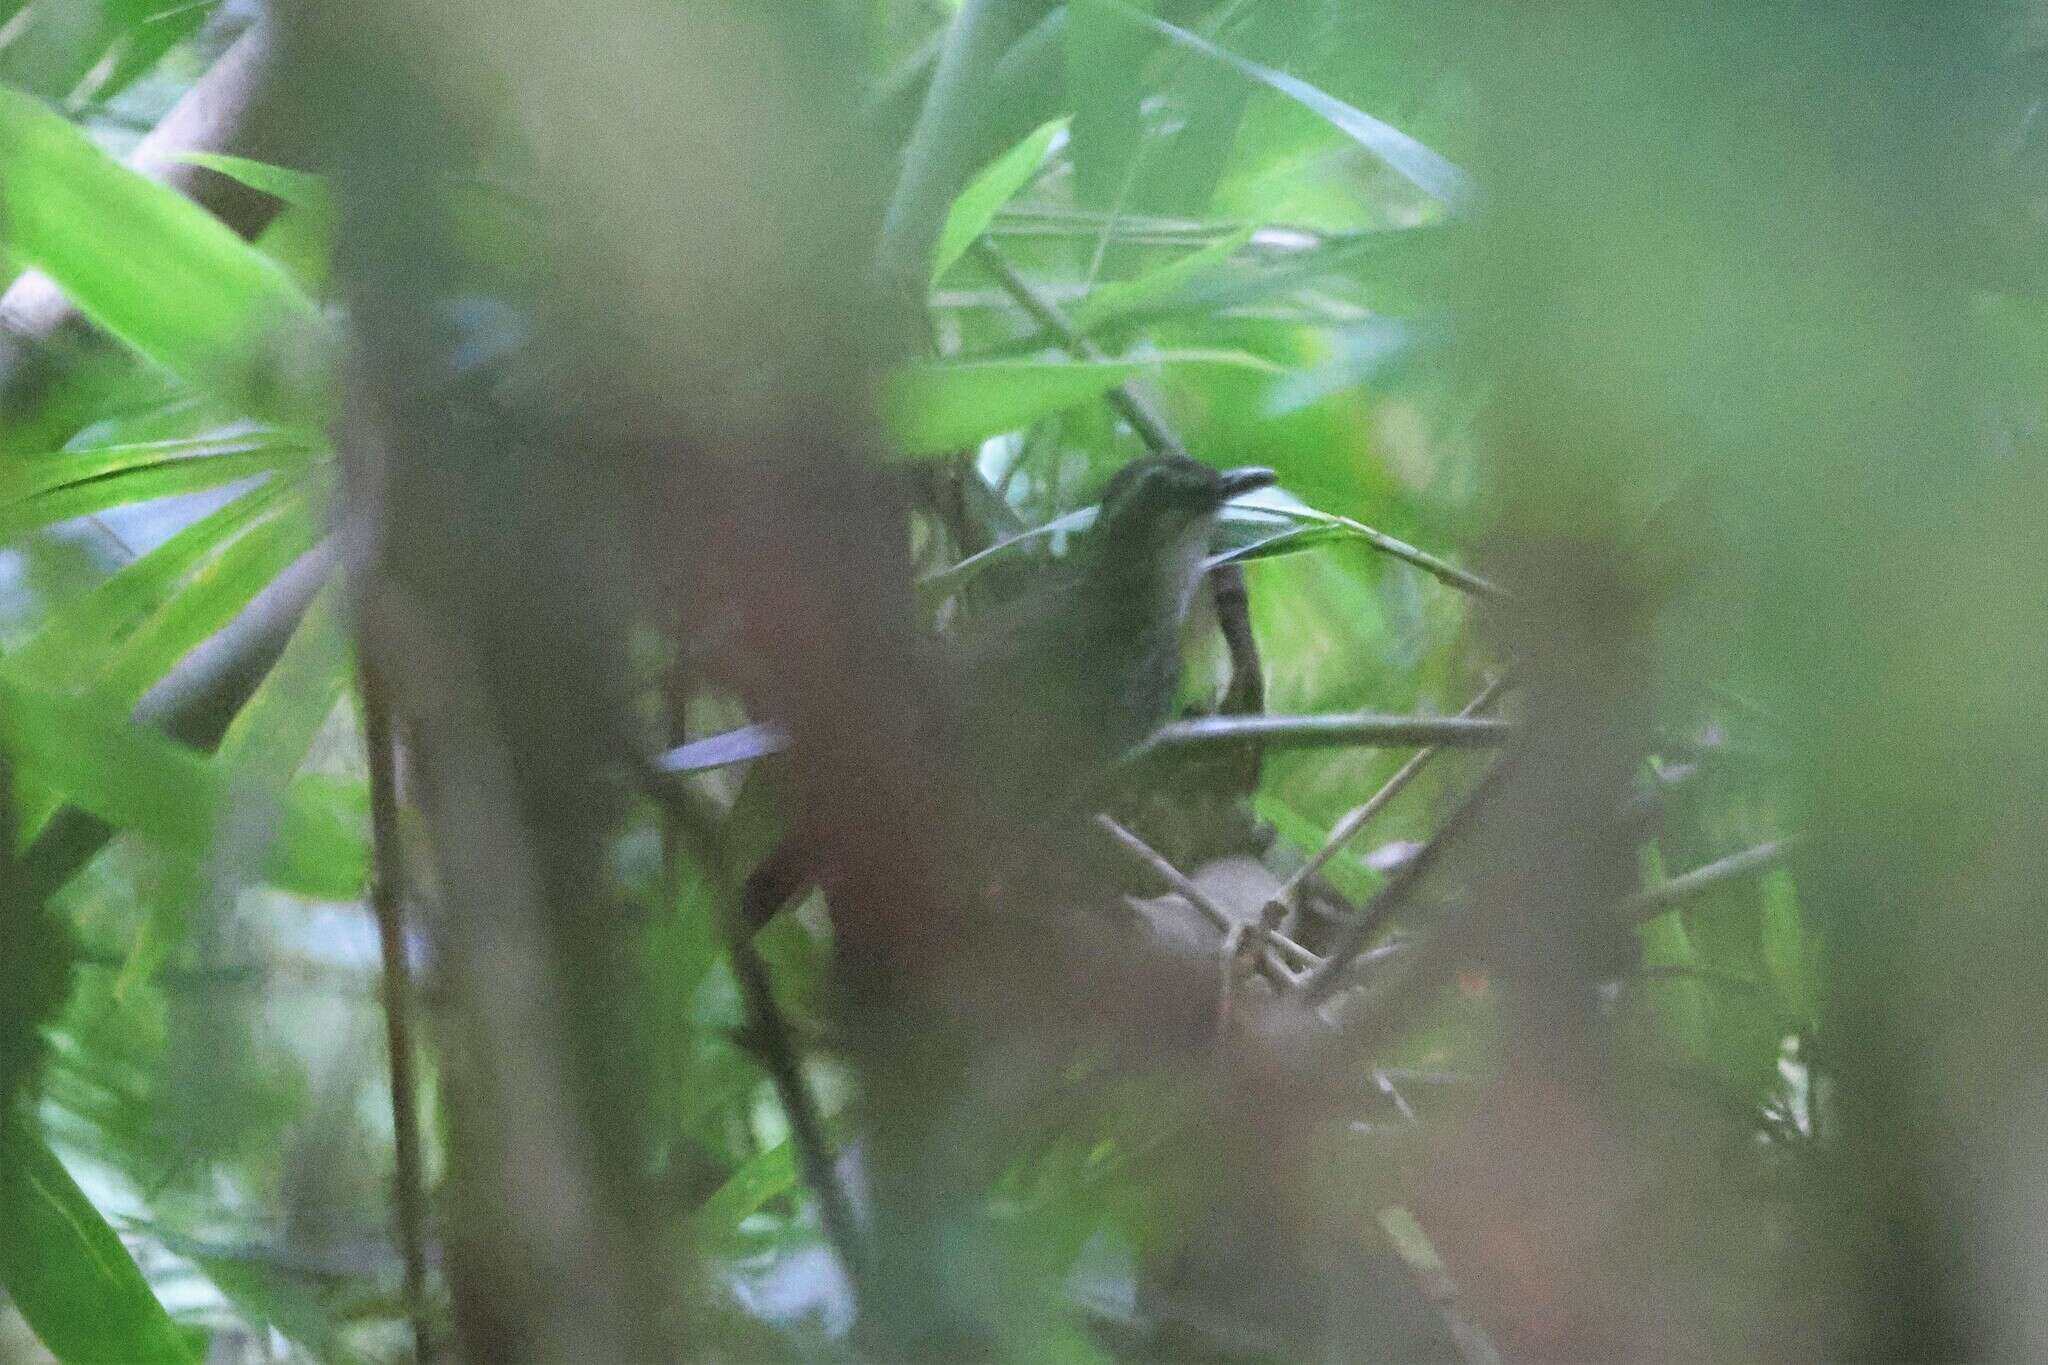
(154, 268)
(66, 1269)
(137, 780)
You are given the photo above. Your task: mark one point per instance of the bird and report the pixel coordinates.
(1057, 683)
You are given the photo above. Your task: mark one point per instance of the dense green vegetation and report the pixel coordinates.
(501, 503)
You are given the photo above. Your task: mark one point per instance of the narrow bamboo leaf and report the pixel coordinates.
(269, 736)
(493, 229)
(1158, 290)
(272, 1290)
(211, 596)
(300, 189)
(977, 205)
(51, 489)
(28, 476)
(1285, 508)
(1785, 953)
(1427, 170)
(66, 1269)
(765, 1176)
(154, 268)
(936, 409)
(78, 635)
(1676, 997)
(137, 780)
(1104, 52)
(1268, 542)
(934, 586)
(123, 636)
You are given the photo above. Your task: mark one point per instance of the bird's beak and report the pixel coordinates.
(1237, 482)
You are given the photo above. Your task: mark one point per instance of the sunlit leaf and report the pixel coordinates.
(212, 596)
(155, 269)
(766, 1176)
(300, 189)
(264, 745)
(977, 205)
(77, 636)
(44, 490)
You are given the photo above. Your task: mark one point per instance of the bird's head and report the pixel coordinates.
(1156, 519)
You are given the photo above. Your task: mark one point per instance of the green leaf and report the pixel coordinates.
(66, 1269)
(765, 1176)
(135, 779)
(288, 1289)
(977, 205)
(1785, 953)
(44, 490)
(1104, 54)
(78, 636)
(120, 639)
(956, 576)
(937, 409)
(1155, 290)
(1280, 509)
(300, 189)
(1427, 170)
(269, 736)
(211, 596)
(263, 747)
(155, 269)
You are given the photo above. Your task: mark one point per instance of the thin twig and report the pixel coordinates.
(1355, 819)
(387, 900)
(1193, 894)
(773, 1040)
(1354, 934)
(1129, 403)
(1342, 730)
(1669, 895)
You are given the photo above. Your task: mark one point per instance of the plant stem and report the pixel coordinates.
(387, 903)
(1341, 730)
(1669, 895)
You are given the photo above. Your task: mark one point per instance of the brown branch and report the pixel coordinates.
(387, 903)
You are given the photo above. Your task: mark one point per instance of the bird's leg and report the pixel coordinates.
(1246, 695)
